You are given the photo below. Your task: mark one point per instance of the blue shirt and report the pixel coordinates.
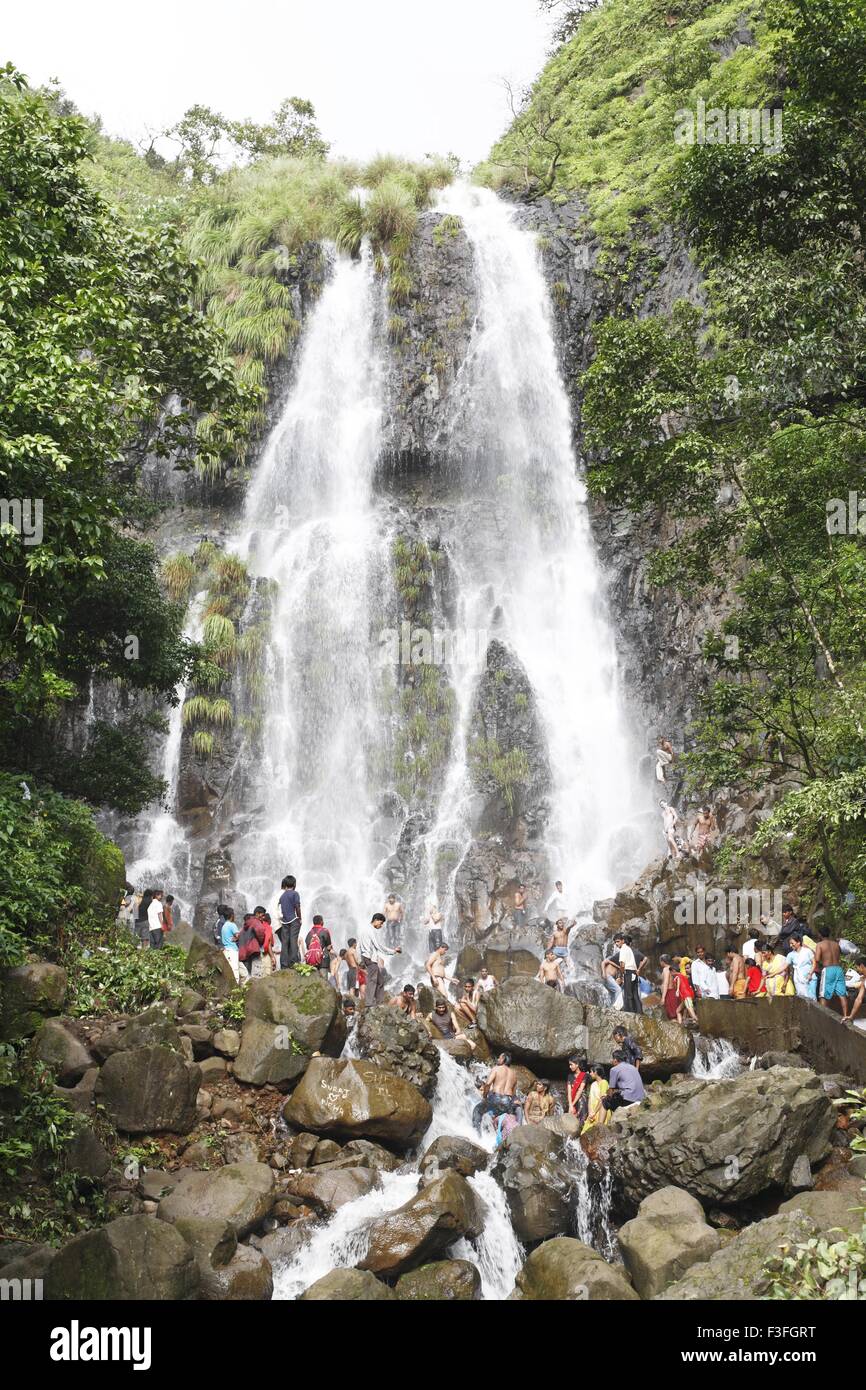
(290, 904)
(228, 935)
(627, 1080)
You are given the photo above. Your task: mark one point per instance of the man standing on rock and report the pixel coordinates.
(737, 981)
(828, 957)
(290, 918)
(393, 919)
(373, 948)
(555, 907)
(155, 919)
(518, 912)
(498, 1091)
(435, 967)
(623, 958)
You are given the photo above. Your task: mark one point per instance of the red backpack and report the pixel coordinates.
(315, 955)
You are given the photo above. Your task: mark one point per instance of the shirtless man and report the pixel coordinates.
(497, 1091)
(736, 974)
(828, 955)
(433, 922)
(550, 972)
(466, 1008)
(518, 913)
(405, 1001)
(393, 910)
(558, 942)
(435, 968)
(353, 961)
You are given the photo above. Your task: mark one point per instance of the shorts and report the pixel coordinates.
(833, 983)
(561, 951)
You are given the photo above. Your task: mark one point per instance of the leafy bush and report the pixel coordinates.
(109, 973)
(819, 1269)
(58, 874)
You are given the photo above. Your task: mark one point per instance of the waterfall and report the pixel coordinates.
(526, 561)
(313, 527)
(453, 1102)
(592, 1203)
(165, 853)
(715, 1059)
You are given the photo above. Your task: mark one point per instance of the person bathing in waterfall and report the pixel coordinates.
(433, 922)
(435, 967)
(664, 757)
(670, 821)
(497, 1091)
(353, 961)
(555, 907)
(558, 941)
(443, 1023)
(518, 912)
(550, 972)
(466, 1009)
(393, 910)
(539, 1104)
(405, 1001)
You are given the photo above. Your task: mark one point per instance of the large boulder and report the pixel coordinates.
(668, 1236)
(355, 1099)
(442, 1281)
(737, 1270)
(148, 1089)
(207, 967)
(132, 1258)
(450, 1151)
(153, 1028)
(541, 1026)
(531, 1170)
(240, 1193)
(566, 1270)
(29, 994)
(424, 1227)
(58, 1046)
(326, 1189)
(837, 1213)
(725, 1141)
(349, 1286)
(399, 1045)
(288, 1017)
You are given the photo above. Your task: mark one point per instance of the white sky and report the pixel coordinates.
(406, 76)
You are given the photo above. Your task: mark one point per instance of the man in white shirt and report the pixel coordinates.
(704, 975)
(555, 908)
(155, 919)
(371, 944)
(623, 957)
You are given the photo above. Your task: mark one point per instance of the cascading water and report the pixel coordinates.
(312, 526)
(164, 855)
(715, 1059)
(527, 565)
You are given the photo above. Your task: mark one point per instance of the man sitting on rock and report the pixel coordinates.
(485, 985)
(466, 1008)
(626, 1085)
(405, 1001)
(497, 1091)
(443, 1024)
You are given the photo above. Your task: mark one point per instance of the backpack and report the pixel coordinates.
(259, 929)
(315, 954)
(248, 944)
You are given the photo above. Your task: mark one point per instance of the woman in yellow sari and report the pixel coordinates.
(596, 1113)
(777, 974)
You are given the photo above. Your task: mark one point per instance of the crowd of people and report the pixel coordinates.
(593, 1091)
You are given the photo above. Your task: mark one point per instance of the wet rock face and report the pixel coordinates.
(507, 750)
(429, 339)
(349, 1285)
(725, 1141)
(442, 1281)
(530, 1168)
(357, 1100)
(424, 1227)
(462, 1155)
(539, 1025)
(566, 1270)
(399, 1045)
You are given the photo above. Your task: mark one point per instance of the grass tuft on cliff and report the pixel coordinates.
(602, 115)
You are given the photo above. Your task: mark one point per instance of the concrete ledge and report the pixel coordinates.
(787, 1024)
